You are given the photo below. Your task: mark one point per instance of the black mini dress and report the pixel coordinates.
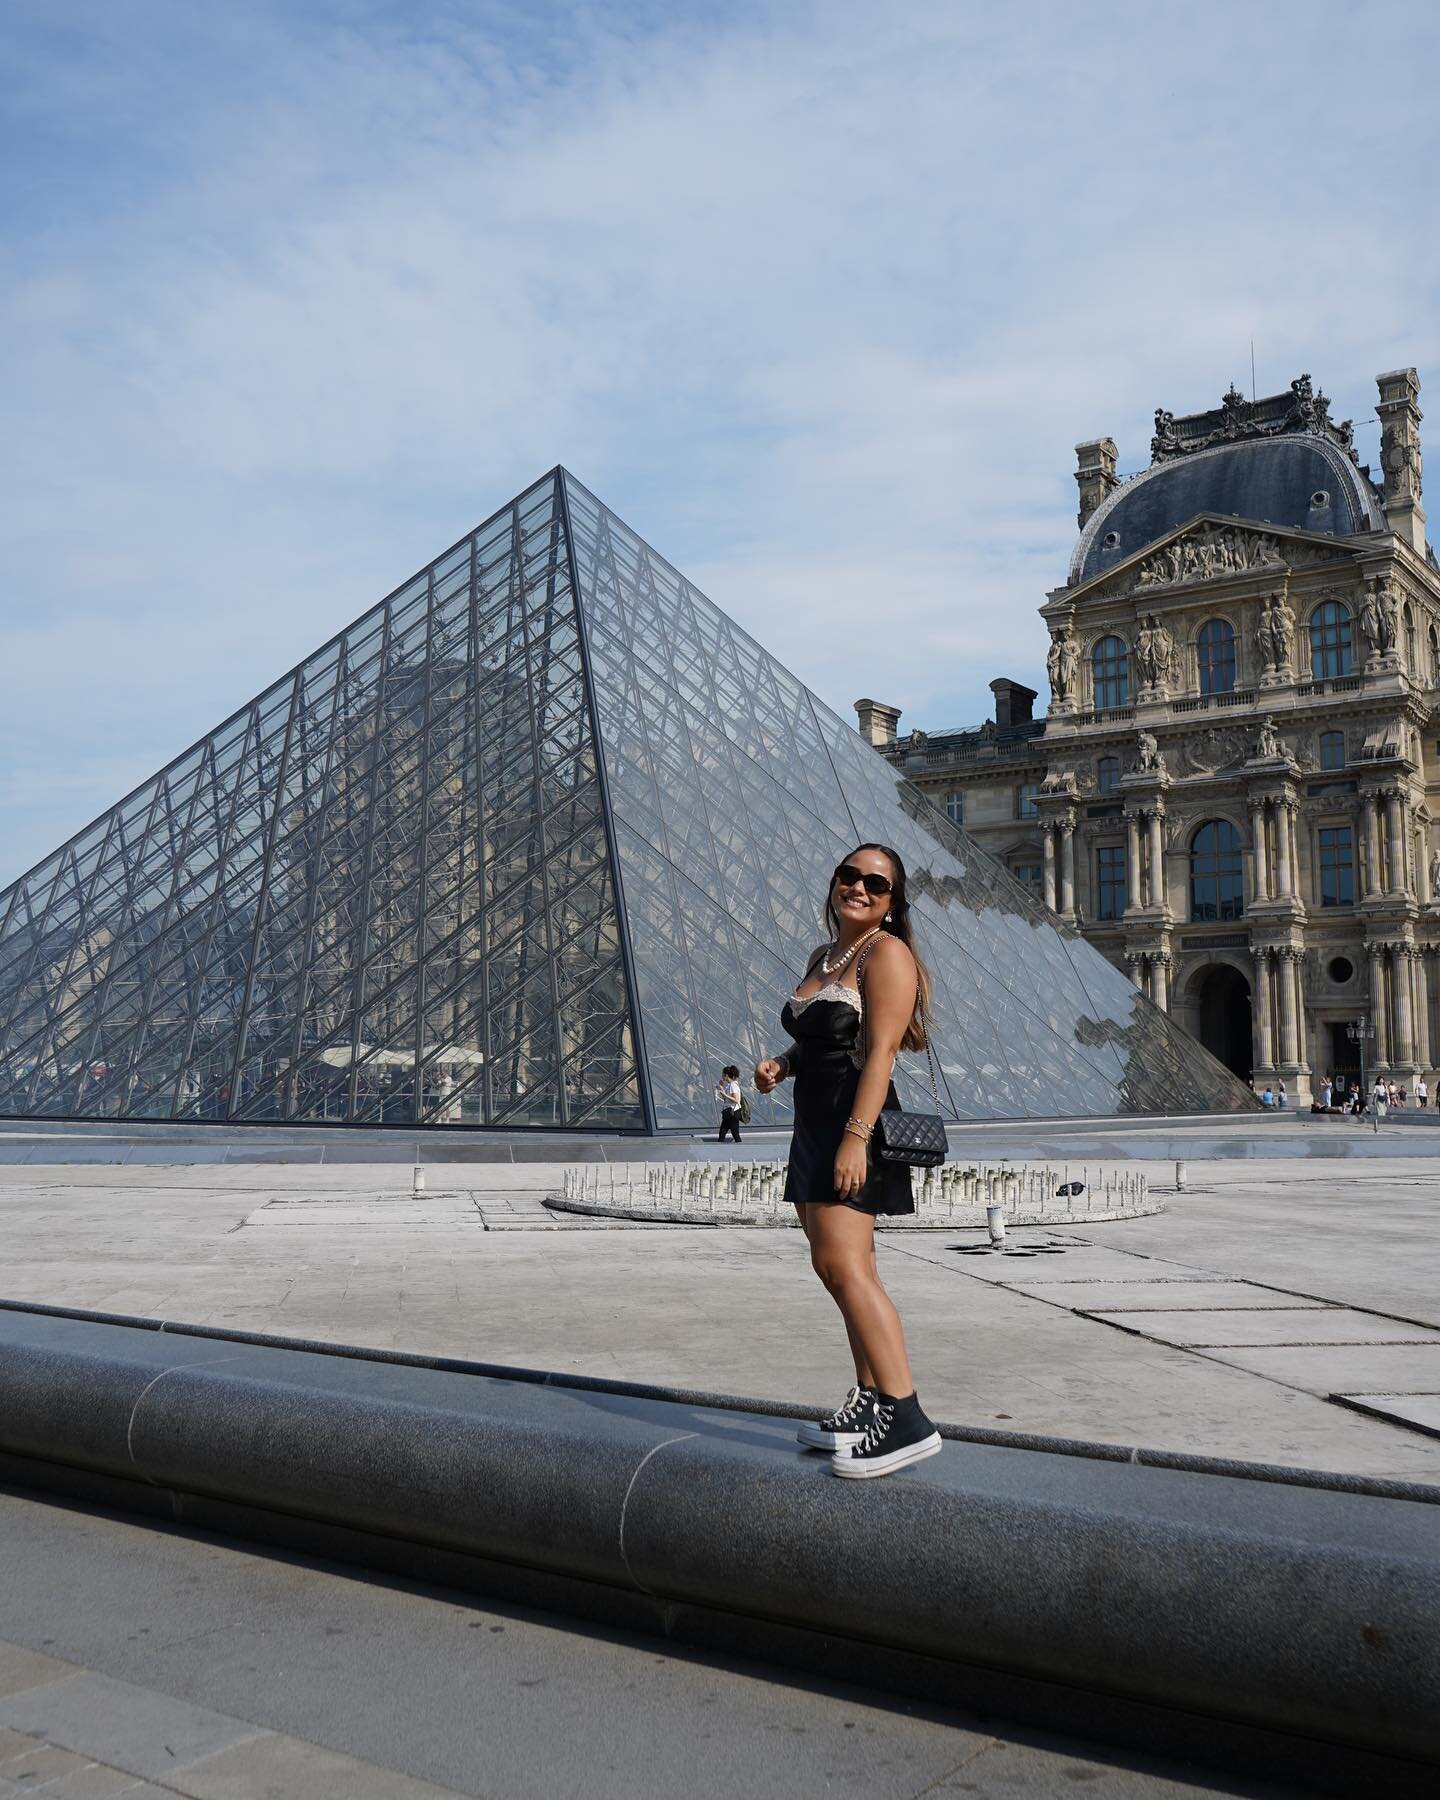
(826, 1059)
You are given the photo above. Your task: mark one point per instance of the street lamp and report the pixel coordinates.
(1358, 1031)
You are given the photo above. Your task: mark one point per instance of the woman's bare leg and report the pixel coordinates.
(842, 1252)
(864, 1376)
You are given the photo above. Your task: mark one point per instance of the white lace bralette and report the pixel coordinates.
(832, 990)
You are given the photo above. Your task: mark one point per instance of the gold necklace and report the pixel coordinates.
(829, 968)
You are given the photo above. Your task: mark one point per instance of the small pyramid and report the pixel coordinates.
(541, 840)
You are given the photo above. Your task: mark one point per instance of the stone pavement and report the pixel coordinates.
(141, 1661)
(1281, 1282)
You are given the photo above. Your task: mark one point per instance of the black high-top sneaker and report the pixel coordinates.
(845, 1426)
(899, 1435)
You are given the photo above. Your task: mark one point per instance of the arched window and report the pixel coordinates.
(1217, 881)
(1330, 640)
(1107, 774)
(1215, 653)
(1110, 662)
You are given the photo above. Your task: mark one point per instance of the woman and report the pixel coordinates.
(861, 999)
(727, 1092)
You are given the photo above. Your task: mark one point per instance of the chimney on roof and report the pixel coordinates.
(1014, 702)
(1400, 416)
(877, 722)
(1096, 474)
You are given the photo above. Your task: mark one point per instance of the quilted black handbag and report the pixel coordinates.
(917, 1139)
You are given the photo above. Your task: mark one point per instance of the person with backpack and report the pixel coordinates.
(733, 1109)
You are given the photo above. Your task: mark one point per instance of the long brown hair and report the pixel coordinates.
(898, 925)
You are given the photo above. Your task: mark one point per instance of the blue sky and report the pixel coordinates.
(819, 300)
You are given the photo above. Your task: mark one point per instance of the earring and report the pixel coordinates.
(889, 917)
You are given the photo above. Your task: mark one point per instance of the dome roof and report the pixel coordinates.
(1304, 481)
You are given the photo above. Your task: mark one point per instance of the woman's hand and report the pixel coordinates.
(769, 1074)
(852, 1165)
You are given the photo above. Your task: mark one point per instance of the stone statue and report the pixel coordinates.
(1271, 747)
(1154, 653)
(1378, 617)
(1435, 876)
(1275, 636)
(1152, 762)
(1062, 664)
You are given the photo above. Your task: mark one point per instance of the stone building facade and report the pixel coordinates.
(1235, 793)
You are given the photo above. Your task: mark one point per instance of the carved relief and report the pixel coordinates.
(1154, 655)
(1204, 555)
(1207, 752)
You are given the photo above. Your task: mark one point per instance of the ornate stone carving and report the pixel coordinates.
(1151, 761)
(1204, 555)
(1435, 875)
(1209, 751)
(1301, 409)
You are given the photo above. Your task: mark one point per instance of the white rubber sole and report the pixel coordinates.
(852, 1468)
(814, 1438)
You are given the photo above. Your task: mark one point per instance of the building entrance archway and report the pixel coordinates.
(1222, 1000)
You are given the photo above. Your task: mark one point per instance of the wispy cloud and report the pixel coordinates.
(295, 295)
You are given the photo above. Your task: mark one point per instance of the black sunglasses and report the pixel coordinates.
(847, 875)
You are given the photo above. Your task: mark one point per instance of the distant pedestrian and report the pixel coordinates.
(1326, 1092)
(1422, 1093)
(727, 1092)
(1381, 1098)
(1280, 1099)
(1268, 1097)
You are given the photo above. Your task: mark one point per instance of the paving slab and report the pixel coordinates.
(1168, 1293)
(1309, 1325)
(1348, 1369)
(1419, 1410)
(117, 1722)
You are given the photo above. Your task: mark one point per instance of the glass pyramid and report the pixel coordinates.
(540, 840)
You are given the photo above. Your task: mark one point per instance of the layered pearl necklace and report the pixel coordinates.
(829, 968)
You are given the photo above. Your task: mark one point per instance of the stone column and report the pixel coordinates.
(1067, 865)
(1160, 980)
(1404, 1019)
(1136, 960)
(1297, 979)
(1050, 866)
(1377, 1004)
(1292, 814)
(1258, 855)
(1284, 887)
(1157, 858)
(1285, 994)
(1422, 871)
(1132, 863)
(1372, 847)
(1422, 1007)
(1395, 833)
(1264, 1028)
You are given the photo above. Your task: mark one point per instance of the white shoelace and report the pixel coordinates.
(879, 1426)
(853, 1403)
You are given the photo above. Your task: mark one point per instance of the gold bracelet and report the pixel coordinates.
(860, 1129)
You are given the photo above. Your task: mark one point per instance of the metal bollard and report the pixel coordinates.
(417, 1180)
(1180, 1177)
(995, 1223)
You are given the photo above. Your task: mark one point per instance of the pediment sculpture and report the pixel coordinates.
(1204, 555)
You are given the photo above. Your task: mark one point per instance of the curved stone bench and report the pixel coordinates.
(1280, 1624)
